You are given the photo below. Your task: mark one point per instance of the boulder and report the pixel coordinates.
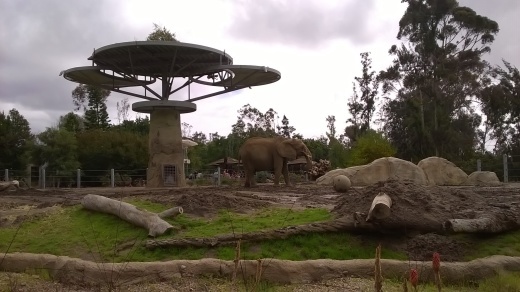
(341, 183)
(442, 172)
(388, 168)
(483, 178)
(382, 169)
(327, 178)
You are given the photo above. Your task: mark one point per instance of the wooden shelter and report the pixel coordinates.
(297, 165)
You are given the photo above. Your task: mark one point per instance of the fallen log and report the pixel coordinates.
(75, 271)
(172, 212)
(380, 208)
(492, 223)
(151, 221)
(5, 185)
(340, 224)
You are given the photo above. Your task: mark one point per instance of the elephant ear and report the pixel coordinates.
(286, 150)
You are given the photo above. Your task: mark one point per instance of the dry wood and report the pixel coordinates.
(380, 208)
(341, 224)
(172, 212)
(489, 224)
(5, 185)
(128, 212)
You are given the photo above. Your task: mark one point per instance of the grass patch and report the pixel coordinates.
(81, 233)
(500, 244)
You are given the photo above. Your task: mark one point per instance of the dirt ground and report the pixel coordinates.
(417, 205)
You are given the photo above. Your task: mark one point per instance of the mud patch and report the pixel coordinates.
(209, 204)
(422, 247)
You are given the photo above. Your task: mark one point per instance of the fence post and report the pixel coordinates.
(112, 178)
(218, 177)
(43, 178)
(6, 174)
(78, 178)
(479, 165)
(506, 176)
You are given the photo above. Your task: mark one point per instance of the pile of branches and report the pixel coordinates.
(319, 168)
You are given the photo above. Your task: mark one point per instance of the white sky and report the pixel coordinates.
(317, 59)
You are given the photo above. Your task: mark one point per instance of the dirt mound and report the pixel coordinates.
(417, 205)
(209, 204)
(422, 247)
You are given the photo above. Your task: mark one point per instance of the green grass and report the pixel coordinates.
(501, 244)
(81, 233)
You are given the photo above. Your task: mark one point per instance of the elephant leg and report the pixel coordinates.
(278, 168)
(285, 173)
(250, 174)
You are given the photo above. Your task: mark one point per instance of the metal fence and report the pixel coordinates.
(507, 169)
(81, 178)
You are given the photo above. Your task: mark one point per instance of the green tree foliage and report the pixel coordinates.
(337, 153)
(71, 122)
(252, 122)
(318, 147)
(139, 126)
(15, 140)
(161, 34)
(369, 147)
(362, 105)
(96, 114)
(285, 130)
(102, 150)
(439, 65)
(501, 104)
(59, 148)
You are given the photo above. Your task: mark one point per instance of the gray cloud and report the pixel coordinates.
(41, 38)
(506, 13)
(302, 23)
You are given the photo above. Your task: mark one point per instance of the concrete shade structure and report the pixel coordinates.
(140, 64)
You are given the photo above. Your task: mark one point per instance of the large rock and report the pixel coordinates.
(382, 169)
(388, 168)
(483, 178)
(442, 172)
(327, 179)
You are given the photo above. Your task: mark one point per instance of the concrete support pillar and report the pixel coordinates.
(166, 161)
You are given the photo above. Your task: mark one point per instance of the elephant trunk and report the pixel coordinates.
(308, 157)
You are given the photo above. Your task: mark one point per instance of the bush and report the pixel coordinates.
(369, 147)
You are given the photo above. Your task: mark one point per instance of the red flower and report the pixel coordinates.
(436, 262)
(414, 277)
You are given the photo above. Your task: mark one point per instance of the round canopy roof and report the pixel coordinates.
(159, 58)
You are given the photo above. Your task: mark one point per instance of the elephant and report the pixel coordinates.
(268, 154)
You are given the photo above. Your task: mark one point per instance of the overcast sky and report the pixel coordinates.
(315, 45)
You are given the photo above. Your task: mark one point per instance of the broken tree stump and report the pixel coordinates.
(5, 185)
(380, 208)
(151, 221)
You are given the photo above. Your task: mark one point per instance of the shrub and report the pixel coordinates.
(369, 147)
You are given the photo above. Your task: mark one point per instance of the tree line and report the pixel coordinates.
(438, 97)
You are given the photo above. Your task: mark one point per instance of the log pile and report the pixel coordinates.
(319, 168)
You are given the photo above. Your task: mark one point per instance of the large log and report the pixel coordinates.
(340, 224)
(128, 212)
(489, 224)
(380, 208)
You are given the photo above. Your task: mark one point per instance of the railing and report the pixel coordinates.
(81, 178)
(507, 169)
